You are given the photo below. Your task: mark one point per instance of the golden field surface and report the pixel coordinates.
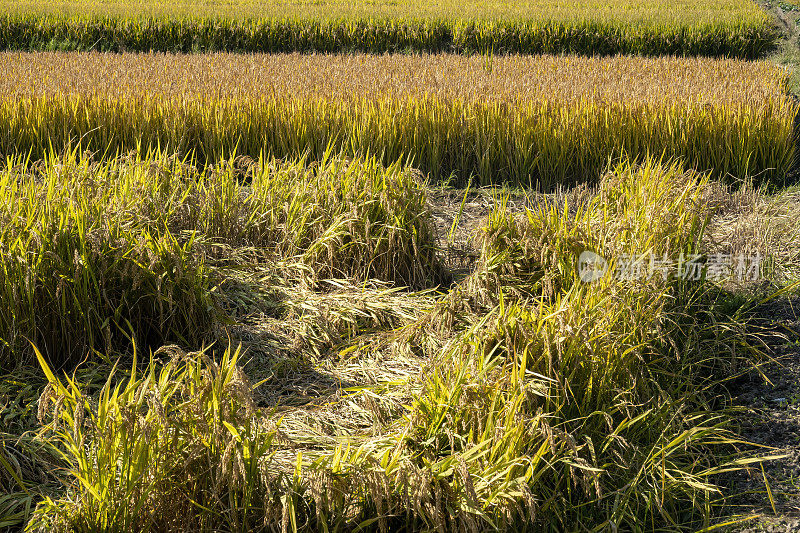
(513, 79)
(519, 119)
(733, 28)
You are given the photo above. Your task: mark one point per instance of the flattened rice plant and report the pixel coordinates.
(552, 404)
(92, 252)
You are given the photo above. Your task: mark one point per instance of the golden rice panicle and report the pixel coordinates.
(527, 120)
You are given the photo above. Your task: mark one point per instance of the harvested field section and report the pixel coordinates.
(522, 120)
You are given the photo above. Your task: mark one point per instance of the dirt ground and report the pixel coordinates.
(770, 417)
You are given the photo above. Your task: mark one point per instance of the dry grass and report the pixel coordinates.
(523, 120)
(748, 222)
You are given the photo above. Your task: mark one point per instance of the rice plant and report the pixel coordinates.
(731, 28)
(531, 121)
(196, 426)
(552, 404)
(76, 277)
(95, 253)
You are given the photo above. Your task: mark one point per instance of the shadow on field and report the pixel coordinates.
(770, 416)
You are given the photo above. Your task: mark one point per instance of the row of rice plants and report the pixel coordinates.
(730, 28)
(522, 120)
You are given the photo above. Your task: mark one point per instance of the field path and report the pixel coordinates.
(772, 418)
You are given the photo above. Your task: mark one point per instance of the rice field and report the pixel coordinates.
(523, 120)
(491, 280)
(730, 28)
(507, 402)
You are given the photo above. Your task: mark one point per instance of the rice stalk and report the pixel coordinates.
(528, 123)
